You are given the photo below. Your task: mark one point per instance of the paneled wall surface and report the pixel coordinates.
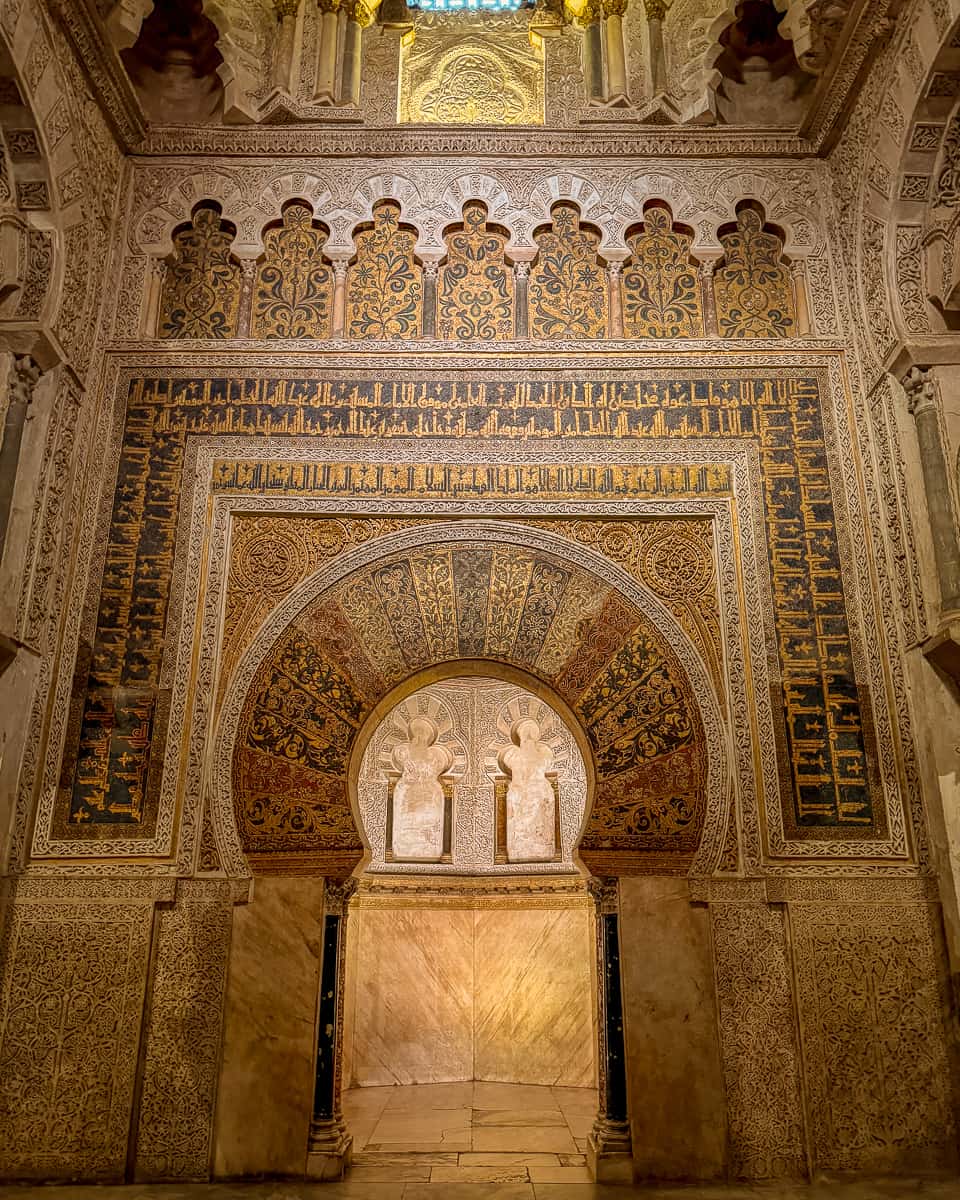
(436, 994)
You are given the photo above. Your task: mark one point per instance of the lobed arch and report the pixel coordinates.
(41, 204)
(518, 207)
(694, 850)
(893, 143)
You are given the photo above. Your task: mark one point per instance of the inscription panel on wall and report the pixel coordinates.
(826, 750)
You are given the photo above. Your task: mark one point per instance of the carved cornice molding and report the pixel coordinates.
(101, 64)
(519, 142)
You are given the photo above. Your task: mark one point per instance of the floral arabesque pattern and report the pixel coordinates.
(568, 288)
(752, 287)
(385, 283)
(293, 296)
(475, 288)
(202, 288)
(659, 285)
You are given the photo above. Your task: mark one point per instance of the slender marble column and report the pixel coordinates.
(286, 11)
(616, 306)
(593, 51)
(707, 269)
(923, 400)
(154, 301)
(430, 298)
(329, 1144)
(616, 58)
(358, 16)
(24, 375)
(248, 267)
(798, 275)
(339, 319)
(325, 88)
(521, 273)
(656, 10)
(610, 1146)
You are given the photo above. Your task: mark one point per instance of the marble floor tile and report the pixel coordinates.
(579, 1124)
(511, 1159)
(417, 1097)
(483, 1117)
(487, 1094)
(491, 1174)
(469, 1191)
(559, 1174)
(554, 1139)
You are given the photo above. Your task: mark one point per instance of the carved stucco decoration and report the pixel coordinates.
(753, 289)
(567, 289)
(871, 1005)
(475, 287)
(660, 284)
(385, 282)
(475, 717)
(72, 996)
(519, 196)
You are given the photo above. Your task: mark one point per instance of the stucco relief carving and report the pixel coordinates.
(476, 719)
(761, 1063)
(184, 1034)
(868, 980)
(67, 1082)
(418, 798)
(531, 801)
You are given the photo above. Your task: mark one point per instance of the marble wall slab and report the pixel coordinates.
(457, 993)
(266, 1085)
(674, 1075)
(534, 1006)
(412, 981)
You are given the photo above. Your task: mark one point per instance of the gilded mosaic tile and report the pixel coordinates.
(823, 711)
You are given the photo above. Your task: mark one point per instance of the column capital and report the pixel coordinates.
(922, 392)
(25, 374)
(605, 891)
(614, 8)
(656, 10)
(336, 896)
(286, 8)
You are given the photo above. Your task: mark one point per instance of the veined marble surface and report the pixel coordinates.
(448, 994)
(269, 1042)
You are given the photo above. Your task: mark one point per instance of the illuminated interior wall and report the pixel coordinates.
(438, 994)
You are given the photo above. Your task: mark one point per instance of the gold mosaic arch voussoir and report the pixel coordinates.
(364, 638)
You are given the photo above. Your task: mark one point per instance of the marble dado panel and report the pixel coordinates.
(872, 1002)
(459, 993)
(71, 1007)
(184, 1030)
(762, 412)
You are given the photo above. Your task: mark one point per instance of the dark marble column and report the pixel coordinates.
(329, 1144)
(610, 1148)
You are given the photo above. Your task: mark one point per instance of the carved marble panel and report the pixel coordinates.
(71, 1003)
(475, 719)
(758, 1049)
(183, 1036)
(872, 1012)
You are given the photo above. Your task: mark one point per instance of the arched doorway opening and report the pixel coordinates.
(421, 604)
(470, 1014)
